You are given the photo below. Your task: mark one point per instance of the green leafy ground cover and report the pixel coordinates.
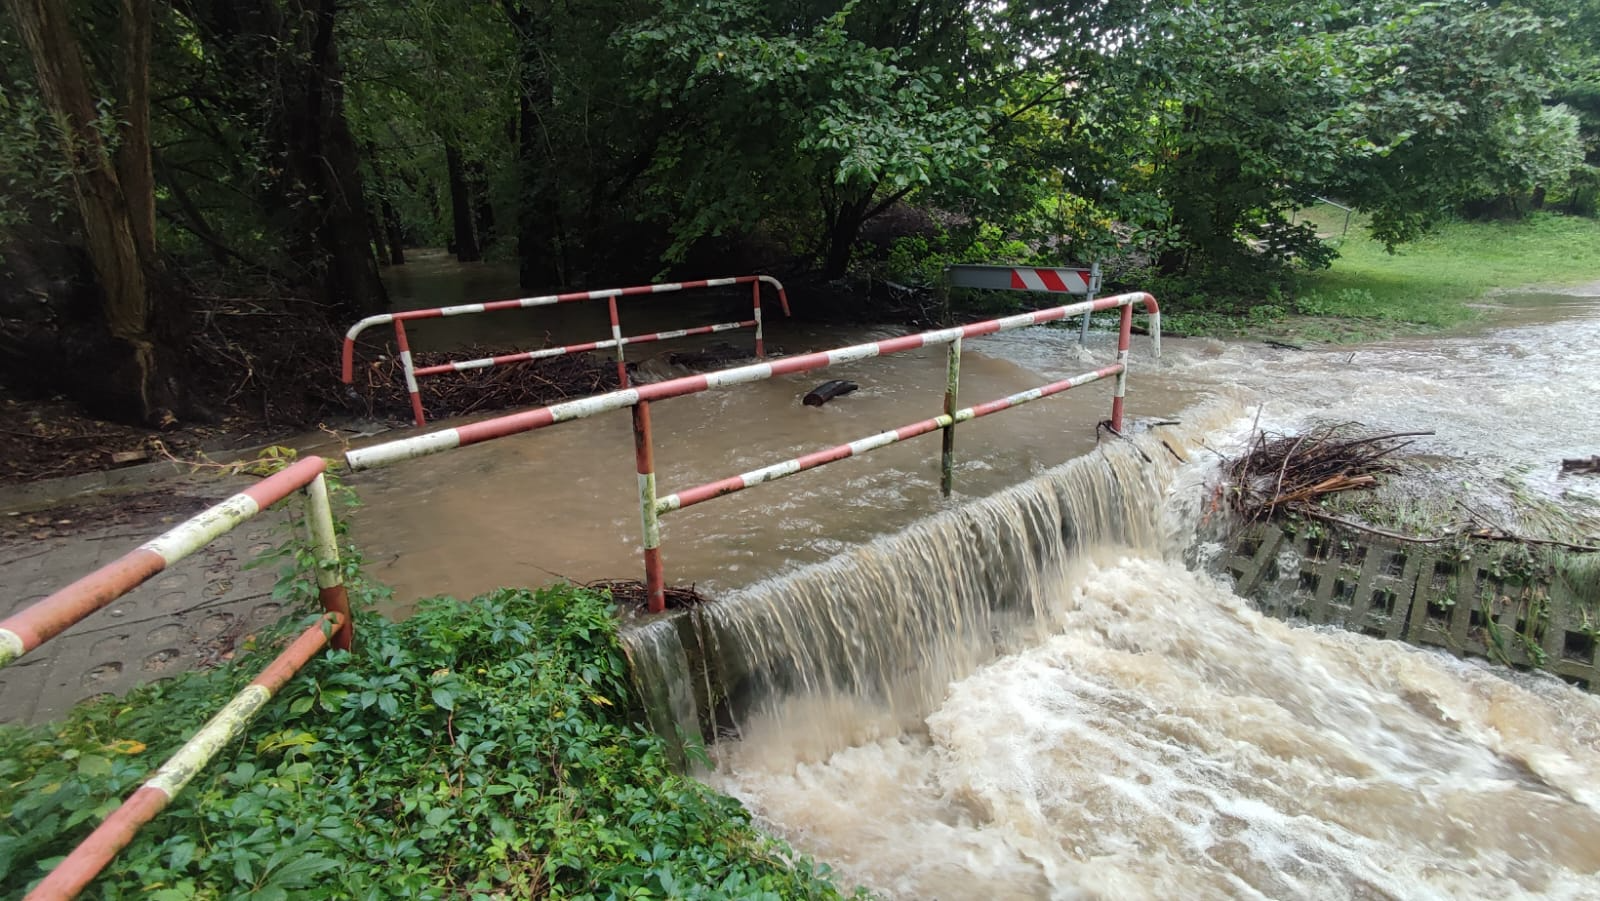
(487, 749)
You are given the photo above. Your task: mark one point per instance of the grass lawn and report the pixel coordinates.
(1434, 281)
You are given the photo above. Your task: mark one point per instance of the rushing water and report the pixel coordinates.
(1134, 730)
(1029, 695)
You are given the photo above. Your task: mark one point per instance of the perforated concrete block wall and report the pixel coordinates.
(1461, 598)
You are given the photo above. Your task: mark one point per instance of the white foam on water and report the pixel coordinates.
(1171, 742)
(1149, 735)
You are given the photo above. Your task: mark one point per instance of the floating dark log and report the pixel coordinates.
(1590, 466)
(828, 391)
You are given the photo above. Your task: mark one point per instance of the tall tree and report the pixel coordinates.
(461, 218)
(539, 221)
(114, 190)
(282, 58)
(796, 112)
(1217, 120)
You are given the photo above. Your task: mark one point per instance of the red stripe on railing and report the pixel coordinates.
(731, 485)
(347, 361)
(474, 432)
(94, 853)
(44, 620)
(48, 618)
(287, 481)
(347, 351)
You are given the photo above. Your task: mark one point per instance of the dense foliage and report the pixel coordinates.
(185, 150)
(482, 749)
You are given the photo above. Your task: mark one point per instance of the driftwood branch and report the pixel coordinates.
(1284, 473)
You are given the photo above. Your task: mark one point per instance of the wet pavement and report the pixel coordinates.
(189, 615)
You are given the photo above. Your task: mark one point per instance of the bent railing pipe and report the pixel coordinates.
(26, 629)
(32, 626)
(85, 862)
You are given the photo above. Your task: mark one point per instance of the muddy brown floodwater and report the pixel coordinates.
(1513, 397)
(1146, 734)
(562, 501)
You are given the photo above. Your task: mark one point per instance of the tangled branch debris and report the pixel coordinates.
(380, 385)
(1282, 473)
(631, 594)
(279, 359)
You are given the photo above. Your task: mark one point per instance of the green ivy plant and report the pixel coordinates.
(486, 749)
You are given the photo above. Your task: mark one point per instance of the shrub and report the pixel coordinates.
(486, 749)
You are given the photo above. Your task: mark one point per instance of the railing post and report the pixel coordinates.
(952, 387)
(616, 335)
(1124, 339)
(649, 518)
(755, 297)
(325, 547)
(410, 370)
(1094, 285)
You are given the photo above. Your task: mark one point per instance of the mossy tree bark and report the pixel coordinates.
(114, 189)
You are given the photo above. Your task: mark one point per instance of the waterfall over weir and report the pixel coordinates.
(886, 626)
(1030, 696)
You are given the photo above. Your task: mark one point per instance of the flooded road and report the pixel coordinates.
(563, 501)
(1029, 695)
(1506, 402)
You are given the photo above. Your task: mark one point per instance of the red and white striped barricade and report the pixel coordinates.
(1073, 280)
(652, 505)
(616, 342)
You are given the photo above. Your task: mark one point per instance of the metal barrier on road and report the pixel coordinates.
(652, 506)
(617, 341)
(1036, 279)
(27, 629)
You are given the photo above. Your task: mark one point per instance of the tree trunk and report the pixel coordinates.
(135, 168)
(843, 225)
(288, 48)
(482, 208)
(386, 228)
(391, 225)
(115, 199)
(466, 242)
(328, 159)
(379, 236)
(538, 209)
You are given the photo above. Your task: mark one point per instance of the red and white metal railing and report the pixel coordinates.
(27, 629)
(80, 867)
(617, 341)
(652, 506)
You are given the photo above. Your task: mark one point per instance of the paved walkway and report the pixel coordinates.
(191, 614)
